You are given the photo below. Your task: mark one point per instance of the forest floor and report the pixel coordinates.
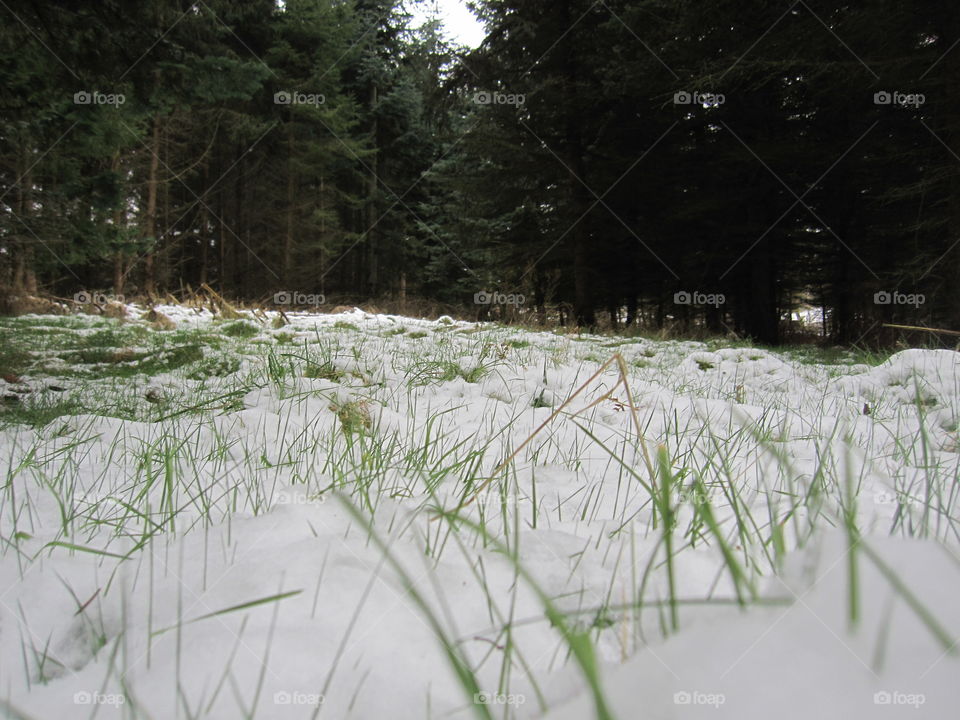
(373, 516)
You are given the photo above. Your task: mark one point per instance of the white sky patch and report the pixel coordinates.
(460, 25)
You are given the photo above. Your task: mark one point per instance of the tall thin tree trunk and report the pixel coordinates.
(204, 230)
(574, 150)
(150, 218)
(323, 239)
(762, 300)
(119, 269)
(631, 309)
(119, 262)
(118, 276)
(24, 274)
(286, 272)
(373, 279)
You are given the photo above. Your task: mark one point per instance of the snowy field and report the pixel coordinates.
(367, 516)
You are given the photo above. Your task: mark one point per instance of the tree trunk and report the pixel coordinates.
(118, 274)
(322, 265)
(150, 218)
(762, 318)
(539, 295)
(631, 310)
(287, 261)
(24, 274)
(576, 162)
(119, 269)
(373, 275)
(204, 230)
(583, 297)
(119, 264)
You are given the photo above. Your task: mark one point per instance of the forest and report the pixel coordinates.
(730, 165)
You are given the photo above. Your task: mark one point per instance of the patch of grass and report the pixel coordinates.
(112, 350)
(724, 343)
(344, 325)
(118, 336)
(417, 334)
(102, 356)
(66, 322)
(354, 417)
(107, 362)
(171, 359)
(41, 411)
(540, 402)
(474, 374)
(14, 361)
(240, 329)
(190, 336)
(814, 355)
(15, 412)
(215, 366)
(323, 371)
(430, 371)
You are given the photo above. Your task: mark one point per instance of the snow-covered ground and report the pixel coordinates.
(341, 518)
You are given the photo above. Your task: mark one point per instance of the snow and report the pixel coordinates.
(802, 660)
(269, 558)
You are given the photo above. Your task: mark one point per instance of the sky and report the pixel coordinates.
(459, 23)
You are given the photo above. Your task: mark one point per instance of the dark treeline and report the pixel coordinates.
(717, 163)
